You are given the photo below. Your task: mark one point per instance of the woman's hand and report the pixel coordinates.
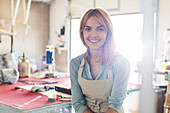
(110, 110)
(87, 111)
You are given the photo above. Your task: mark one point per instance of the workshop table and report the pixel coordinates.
(20, 100)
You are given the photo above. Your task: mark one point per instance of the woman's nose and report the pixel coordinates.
(93, 33)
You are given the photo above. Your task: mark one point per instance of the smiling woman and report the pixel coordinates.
(99, 77)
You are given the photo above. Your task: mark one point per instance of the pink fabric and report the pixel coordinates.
(23, 99)
(133, 86)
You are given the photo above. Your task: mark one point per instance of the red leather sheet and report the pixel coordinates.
(23, 99)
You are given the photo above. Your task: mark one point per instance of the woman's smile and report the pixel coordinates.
(94, 40)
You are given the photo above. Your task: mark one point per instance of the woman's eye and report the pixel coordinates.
(101, 29)
(87, 29)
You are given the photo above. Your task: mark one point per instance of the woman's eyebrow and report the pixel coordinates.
(97, 26)
(87, 26)
(100, 27)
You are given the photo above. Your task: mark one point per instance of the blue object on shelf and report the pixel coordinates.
(49, 59)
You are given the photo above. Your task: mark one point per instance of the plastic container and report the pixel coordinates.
(50, 52)
(52, 95)
(50, 60)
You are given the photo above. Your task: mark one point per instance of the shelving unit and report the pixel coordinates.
(4, 32)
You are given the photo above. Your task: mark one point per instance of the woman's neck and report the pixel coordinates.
(95, 55)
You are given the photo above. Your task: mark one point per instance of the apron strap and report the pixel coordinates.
(81, 67)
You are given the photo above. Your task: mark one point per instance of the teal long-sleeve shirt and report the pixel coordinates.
(120, 69)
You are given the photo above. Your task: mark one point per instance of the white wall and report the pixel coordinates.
(58, 12)
(126, 6)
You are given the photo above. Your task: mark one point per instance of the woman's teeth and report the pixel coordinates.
(94, 41)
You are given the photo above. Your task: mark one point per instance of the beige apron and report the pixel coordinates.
(96, 91)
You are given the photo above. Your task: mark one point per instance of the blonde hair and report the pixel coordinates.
(109, 45)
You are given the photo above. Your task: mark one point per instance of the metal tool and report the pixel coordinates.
(63, 97)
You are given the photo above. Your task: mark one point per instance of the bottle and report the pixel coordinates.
(165, 64)
(52, 95)
(23, 66)
(50, 60)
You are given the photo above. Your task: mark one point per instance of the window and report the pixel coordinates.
(77, 47)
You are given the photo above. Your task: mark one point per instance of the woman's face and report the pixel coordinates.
(94, 34)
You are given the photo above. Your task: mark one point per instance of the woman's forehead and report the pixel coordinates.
(94, 20)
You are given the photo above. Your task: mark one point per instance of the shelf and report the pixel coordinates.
(4, 32)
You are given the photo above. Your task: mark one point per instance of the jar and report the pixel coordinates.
(52, 94)
(23, 66)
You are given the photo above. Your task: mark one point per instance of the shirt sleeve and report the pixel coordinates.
(121, 71)
(78, 100)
